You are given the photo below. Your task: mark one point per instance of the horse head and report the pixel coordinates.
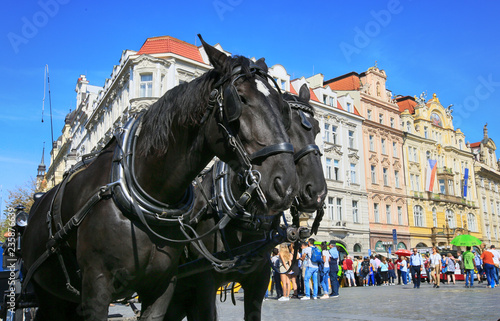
(249, 132)
(303, 131)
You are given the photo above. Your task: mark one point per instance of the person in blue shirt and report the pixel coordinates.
(334, 269)
(311, 271)
(479, 266)
(416, 265)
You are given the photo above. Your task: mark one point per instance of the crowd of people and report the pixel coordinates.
(321, 273)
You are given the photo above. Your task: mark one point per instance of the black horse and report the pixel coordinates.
(113, 226)
(195, 295)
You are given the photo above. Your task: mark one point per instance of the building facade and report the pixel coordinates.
(439, 175)
(487, 172)
(383, 163)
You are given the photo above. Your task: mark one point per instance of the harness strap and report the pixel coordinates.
(311, 148)
(272, 150)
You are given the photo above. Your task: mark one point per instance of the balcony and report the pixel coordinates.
(445, 170)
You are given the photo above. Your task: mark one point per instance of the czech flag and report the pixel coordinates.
(431, 174)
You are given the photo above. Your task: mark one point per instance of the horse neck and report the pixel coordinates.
(166, 177)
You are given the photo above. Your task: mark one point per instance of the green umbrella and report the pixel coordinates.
(466, 240)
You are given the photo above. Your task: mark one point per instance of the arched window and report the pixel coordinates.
(418, 215)
(420, 245)
(434, 217)
(401, 245)
(471, 222)
(450, 218)
(408, 126)
(357, 248)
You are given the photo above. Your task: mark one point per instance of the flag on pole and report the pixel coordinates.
(431, 174)
(466, 177)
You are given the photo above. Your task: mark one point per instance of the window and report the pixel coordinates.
(415, 157)
(408, 126)
(498, 208)
(488, 232)
(492, 208)
(482, 182)
(434, 217)
(426, 132)
(471, 222)
(485, 209)
(334, 134)
(376, 213)
(330, 209)
(384, 151)
(355, 212)
(327, 132)
(460, 144)
(410, 154)
(357, 248)
(400, 215)
(353, 174)
(450, 217)
(386, 178)
(396, 177)
(381, 118)
(328, 168)
(388, 214)
(394, 149)
(332, 101)
(283, 85)
(369, 114)
(374, 174)
(442, 187)
(325, 99)
(351, 139)
(146, 85)
(336, 170)
(372, 143)
(412, 182)
(417, 183)
(349, 107)
(418, 215)
(392, 122)
(450, 187)
(339, 209)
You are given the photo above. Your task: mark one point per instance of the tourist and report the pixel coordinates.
(359, 276)
(468, 259)
(416, 265)
(404, 270)
(285, 267)
(276, 281)
(311, 271)
(392, 273)
(384, 271)
(435, 266)
(398, 269)
(496, 262)
(294, 274)
(334, 269)
(349, 272)
(326, 271)
(427, 267)
(450, 268)
(479, 266)
(366, 266)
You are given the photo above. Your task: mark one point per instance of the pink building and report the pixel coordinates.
(382, 143)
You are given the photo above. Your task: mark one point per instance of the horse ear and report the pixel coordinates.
(216, 57)
(304, 93)
(262, 64)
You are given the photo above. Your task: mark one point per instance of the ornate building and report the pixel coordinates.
(383, 163)
(438, 173)
(487, 171)
(346, 214)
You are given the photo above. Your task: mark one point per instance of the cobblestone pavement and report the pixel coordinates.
(384, 303)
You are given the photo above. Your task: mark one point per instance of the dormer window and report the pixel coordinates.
(349, 107)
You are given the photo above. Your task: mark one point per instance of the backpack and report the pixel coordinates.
(365, 267)
(316, 256)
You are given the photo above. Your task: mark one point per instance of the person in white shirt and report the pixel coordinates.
(496, 262)
(435, 266)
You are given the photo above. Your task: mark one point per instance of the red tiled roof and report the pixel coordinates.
(356, 112)
(292, 90)
(168, 44)
(348, 81)
(313, 95)
(339, 106)
(478, 144)
(406, 103)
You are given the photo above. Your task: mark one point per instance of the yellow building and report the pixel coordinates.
(436, 160)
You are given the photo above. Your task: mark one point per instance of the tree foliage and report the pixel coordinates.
(20, 195)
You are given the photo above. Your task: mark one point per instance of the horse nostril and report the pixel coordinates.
(278, 186)
(309, 191)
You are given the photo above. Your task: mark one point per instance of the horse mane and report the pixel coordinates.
(183, 106)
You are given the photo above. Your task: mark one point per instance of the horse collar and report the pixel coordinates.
(128, 192)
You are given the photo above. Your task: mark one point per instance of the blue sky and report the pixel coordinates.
(450, 48)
